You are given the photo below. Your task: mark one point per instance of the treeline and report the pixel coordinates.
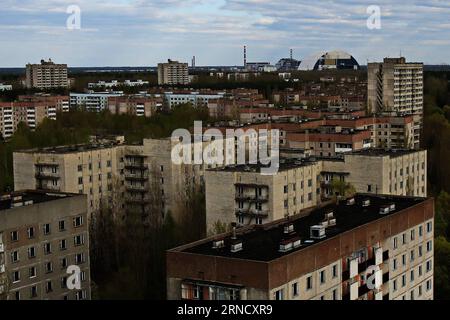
(436, 138)
(77, 126)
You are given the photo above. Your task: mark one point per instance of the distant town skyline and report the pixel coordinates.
(145, 32)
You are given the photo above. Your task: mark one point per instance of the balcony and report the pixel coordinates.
(137, 188)
(138, 201)
(143, 176)
(252, 198)
(47, 175)
(136, 165)
(252, 212)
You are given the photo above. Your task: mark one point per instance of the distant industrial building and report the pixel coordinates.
(287, 64)
(134, 105)
(46, 75)
(41, 235)
(197, 99)
(367, 247)
(333, 60)
(173, 73)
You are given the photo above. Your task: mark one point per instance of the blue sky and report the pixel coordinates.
(145, 32)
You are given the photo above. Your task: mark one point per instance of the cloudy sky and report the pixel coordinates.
(145, 32)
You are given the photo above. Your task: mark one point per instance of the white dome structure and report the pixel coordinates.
(329, 60)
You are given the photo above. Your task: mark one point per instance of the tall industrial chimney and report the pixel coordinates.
(291, 54)
(245, 57)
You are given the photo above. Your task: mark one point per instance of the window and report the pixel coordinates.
(420, 231)
(394, 264)
(64, 263)
(412, 256)
(394, 285)
(78, 221)
(404, 259)
(17, 295)
(413, 234)
(369, 188)
(429, 227)
(404, 238)
(32, 272)
(79, 258)
(63, 244)
(395, 243)
(334, 271)
(33, 292)
(48, 287)
(322, 277)
(403, 280)
(279, 294)
(412, 295)
(295, 289)
(429, 266)
(309, 182)
(420, 271)
(285, 189)
(47, 228)
(15, 235)
(334, 297)
(62, 225)
(14, 256)
(80, 180)
(429, 246)
(420, 291)
(31, 252)
(428, 285)
(47, 248)
(259, 220)
(80, 168)
(78, 240)
(30, 232)
(309, 283)
(48, 267)
(412, 275)
(16, 276)
(63, 282)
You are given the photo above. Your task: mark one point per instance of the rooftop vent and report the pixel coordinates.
(366, 203)
(317, 232)
(351, 201)
(289, 244)
(329, 215)
(217, 244)
(332, 222)
(384, 209)
(392, 207)
(236, 246)
(289, 228)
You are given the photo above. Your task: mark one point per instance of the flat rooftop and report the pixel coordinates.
(71, 148)
(383, 152)
(285, 164)
(28, 197)
(262, 243)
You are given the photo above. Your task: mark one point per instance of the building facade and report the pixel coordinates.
(173, 73)
(46, 75)
(92, 101)
(363, 248)
(395, 85)
(41, 235)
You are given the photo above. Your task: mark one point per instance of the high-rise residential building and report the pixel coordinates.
(139, 177)
(366, 247)
(133, 105)
(395, 85)
(31, 110)
(173, 73)
(92, 101)
(84, 169)
(42, 234)
(46, 75)
(241, 194)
